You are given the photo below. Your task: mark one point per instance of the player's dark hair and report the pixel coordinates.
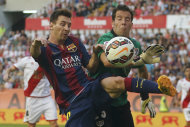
(59, 12)
(121, 8)
(187, 66)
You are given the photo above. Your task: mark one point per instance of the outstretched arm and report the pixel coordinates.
(35, 50)
(9, 70)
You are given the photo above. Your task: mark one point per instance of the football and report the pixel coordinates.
(120, 51)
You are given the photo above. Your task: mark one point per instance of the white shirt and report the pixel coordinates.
(183, 86)
(42, 88)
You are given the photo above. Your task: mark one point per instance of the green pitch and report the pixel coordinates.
(23, 125)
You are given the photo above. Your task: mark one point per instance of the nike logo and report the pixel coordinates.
(124, 49)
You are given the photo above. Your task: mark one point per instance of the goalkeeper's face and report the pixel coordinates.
(122, 23)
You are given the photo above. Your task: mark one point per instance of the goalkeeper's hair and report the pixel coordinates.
(60, 12)
(187, 66)
(121, 8)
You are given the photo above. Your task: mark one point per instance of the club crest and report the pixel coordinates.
(72, 48)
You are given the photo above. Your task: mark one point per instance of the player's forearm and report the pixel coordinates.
(143, 73)
(93, 63)
(11, 69)
(35, 50)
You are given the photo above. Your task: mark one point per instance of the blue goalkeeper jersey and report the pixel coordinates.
(63, 67)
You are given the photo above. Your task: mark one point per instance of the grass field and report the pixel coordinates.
(23, 125)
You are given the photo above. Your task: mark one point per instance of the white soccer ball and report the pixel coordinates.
(120, 51)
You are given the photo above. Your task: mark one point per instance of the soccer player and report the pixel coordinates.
(183, 88)
(64, 57)
(37, 91)
(119, 111)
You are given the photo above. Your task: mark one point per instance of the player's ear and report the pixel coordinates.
(51, 26)
(131, 25)
(112, 24)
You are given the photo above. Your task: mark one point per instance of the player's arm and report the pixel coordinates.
(143, 73)
(8, 71)
(94, 60)
(35, 50)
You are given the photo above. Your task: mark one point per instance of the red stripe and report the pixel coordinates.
(186, 101)
(51, 75)
(71, 72)
(127, 82)
(33, 81)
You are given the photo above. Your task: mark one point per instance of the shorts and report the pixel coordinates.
(121, 116)
(186, 112)
(35, 107)
(82, 111)
(112, 116)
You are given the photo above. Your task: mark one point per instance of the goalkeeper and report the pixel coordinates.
(119, 114)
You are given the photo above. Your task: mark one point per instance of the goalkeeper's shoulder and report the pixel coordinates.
(105, 37)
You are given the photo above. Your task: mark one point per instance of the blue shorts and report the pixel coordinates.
(82, 111)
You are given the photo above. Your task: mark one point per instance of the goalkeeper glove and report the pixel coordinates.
(150, 56)
(148, 104)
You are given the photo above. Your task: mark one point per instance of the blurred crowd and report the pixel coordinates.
(88, 8)
(176, 41)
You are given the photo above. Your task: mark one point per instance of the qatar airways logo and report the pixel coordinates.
(94, 22)
(68, 62)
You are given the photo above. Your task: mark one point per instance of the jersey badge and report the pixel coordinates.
(72, 48)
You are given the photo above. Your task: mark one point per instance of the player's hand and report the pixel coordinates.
(5, 77)
(98, 48)
(151, 55)
(40, 42)
(148, 104)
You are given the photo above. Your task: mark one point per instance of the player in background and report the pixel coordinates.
(63, 57)
(183, 88)
(37, 92)
(120, 112)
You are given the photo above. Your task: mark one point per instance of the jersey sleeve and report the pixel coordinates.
(178, 86)
(21, 63)
(85, 55)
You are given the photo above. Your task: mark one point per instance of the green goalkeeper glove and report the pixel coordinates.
(150, 56)
(148, 104)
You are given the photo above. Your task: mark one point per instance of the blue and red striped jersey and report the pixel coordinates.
(64, 69)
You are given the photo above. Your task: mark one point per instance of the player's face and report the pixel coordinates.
(61, 28)
(122, 23)
(187, 73)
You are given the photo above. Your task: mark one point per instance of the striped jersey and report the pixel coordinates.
(64, 68)
(183, 86)
(36, 83)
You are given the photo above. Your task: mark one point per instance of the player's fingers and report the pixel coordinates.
(152, 47)
(158, 49)
(44, 42)
(147, 48)
(158, 53)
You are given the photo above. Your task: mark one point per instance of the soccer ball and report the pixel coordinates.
(120, 51)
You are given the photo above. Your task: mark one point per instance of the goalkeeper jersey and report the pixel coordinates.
(115, 71)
